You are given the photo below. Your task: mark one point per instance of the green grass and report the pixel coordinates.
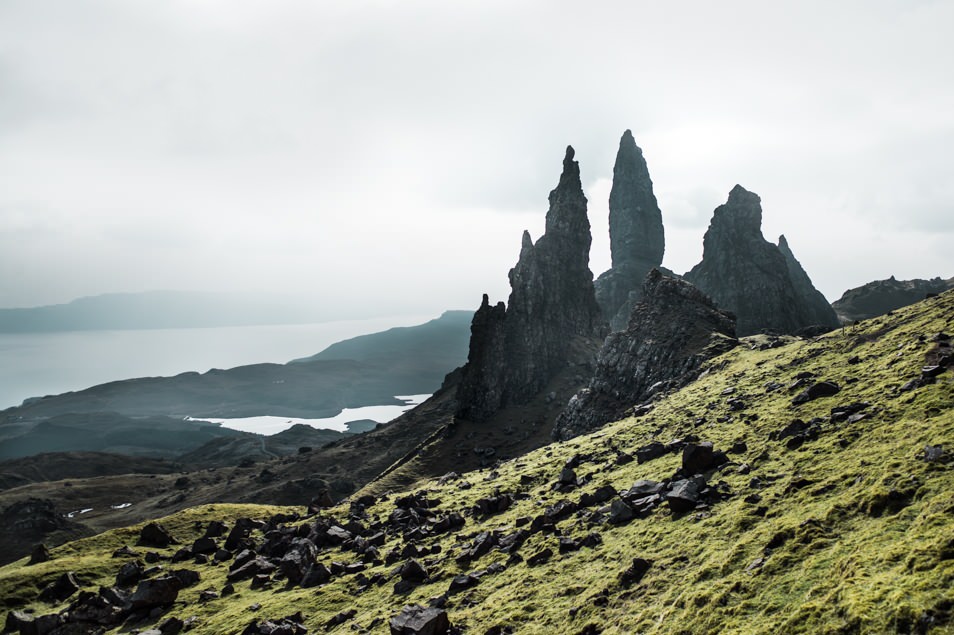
(862, 529)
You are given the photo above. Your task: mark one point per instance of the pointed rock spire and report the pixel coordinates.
(637, 238)
(636, 229)
(746, 274)
(515, 352)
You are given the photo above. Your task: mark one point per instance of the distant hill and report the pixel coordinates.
(879, 297)
(143, 416)
(161, 309)
(445, 337)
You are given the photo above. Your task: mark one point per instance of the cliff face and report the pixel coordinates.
(749, 276)
(515, 350)
(637, 238)
(813, 303)
(881, 296)
(673, 329)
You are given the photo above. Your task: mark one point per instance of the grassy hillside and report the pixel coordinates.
(843, 524)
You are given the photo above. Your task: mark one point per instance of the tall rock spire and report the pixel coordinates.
(637, 238)
(515, 351)
(635, 222)
(744, 273)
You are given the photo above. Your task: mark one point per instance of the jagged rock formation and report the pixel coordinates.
(637, 238)
(813, 303)
(673, 329)
(515, 350)
(881, 296)
(744, 273)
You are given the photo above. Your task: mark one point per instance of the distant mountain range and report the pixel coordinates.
(143, 416)
(163, 309)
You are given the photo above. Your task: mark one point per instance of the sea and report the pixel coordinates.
(38, 364)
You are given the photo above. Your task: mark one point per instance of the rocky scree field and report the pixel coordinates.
(796, 487)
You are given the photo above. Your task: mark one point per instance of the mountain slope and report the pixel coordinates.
(833, 514)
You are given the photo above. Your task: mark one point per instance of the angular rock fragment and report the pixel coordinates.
(155, 535)
(418, 620)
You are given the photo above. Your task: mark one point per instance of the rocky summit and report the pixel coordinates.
(515, 350)
(760, 282)
(672, 331)
(637, 238)
(879, 297)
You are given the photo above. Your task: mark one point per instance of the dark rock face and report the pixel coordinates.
(744, 273)
(671, 332)
(637, 239)
(515, 351)
(813, 303)
(155, 535)
(879, 297)
(418, 620)
(155, 592)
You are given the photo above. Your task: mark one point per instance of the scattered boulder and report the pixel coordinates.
(155, 592)
(418, 620)
(60, 589)
(155, 535)
(816, 391)
(620, 512)
(635, 572)
(39, 554)
(413, 571)
(685, 494)
(540, 557)
(462, 582)
(129, 574)
(699, 457)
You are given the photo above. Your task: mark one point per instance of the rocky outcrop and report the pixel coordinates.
(749, 276)
(879, 297)
(515, 350)
(672, 331)
(810, 299)
(637, 239)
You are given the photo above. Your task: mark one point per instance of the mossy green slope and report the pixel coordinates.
(850, 532)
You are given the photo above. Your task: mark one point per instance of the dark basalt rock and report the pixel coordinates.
(155, 592)
(879, 297)
(637, 238)
(671, 332)
(635, 572)
(60, 589)
(814, 306)
(515, 350)
(39, 554)
(418, 620)
(761, 283)
(155, 535)
(129, 574)
(816, 391)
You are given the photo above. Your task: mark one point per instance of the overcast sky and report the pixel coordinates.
(386, 156)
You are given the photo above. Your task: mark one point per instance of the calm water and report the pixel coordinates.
(272, 425)
(33, 365)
